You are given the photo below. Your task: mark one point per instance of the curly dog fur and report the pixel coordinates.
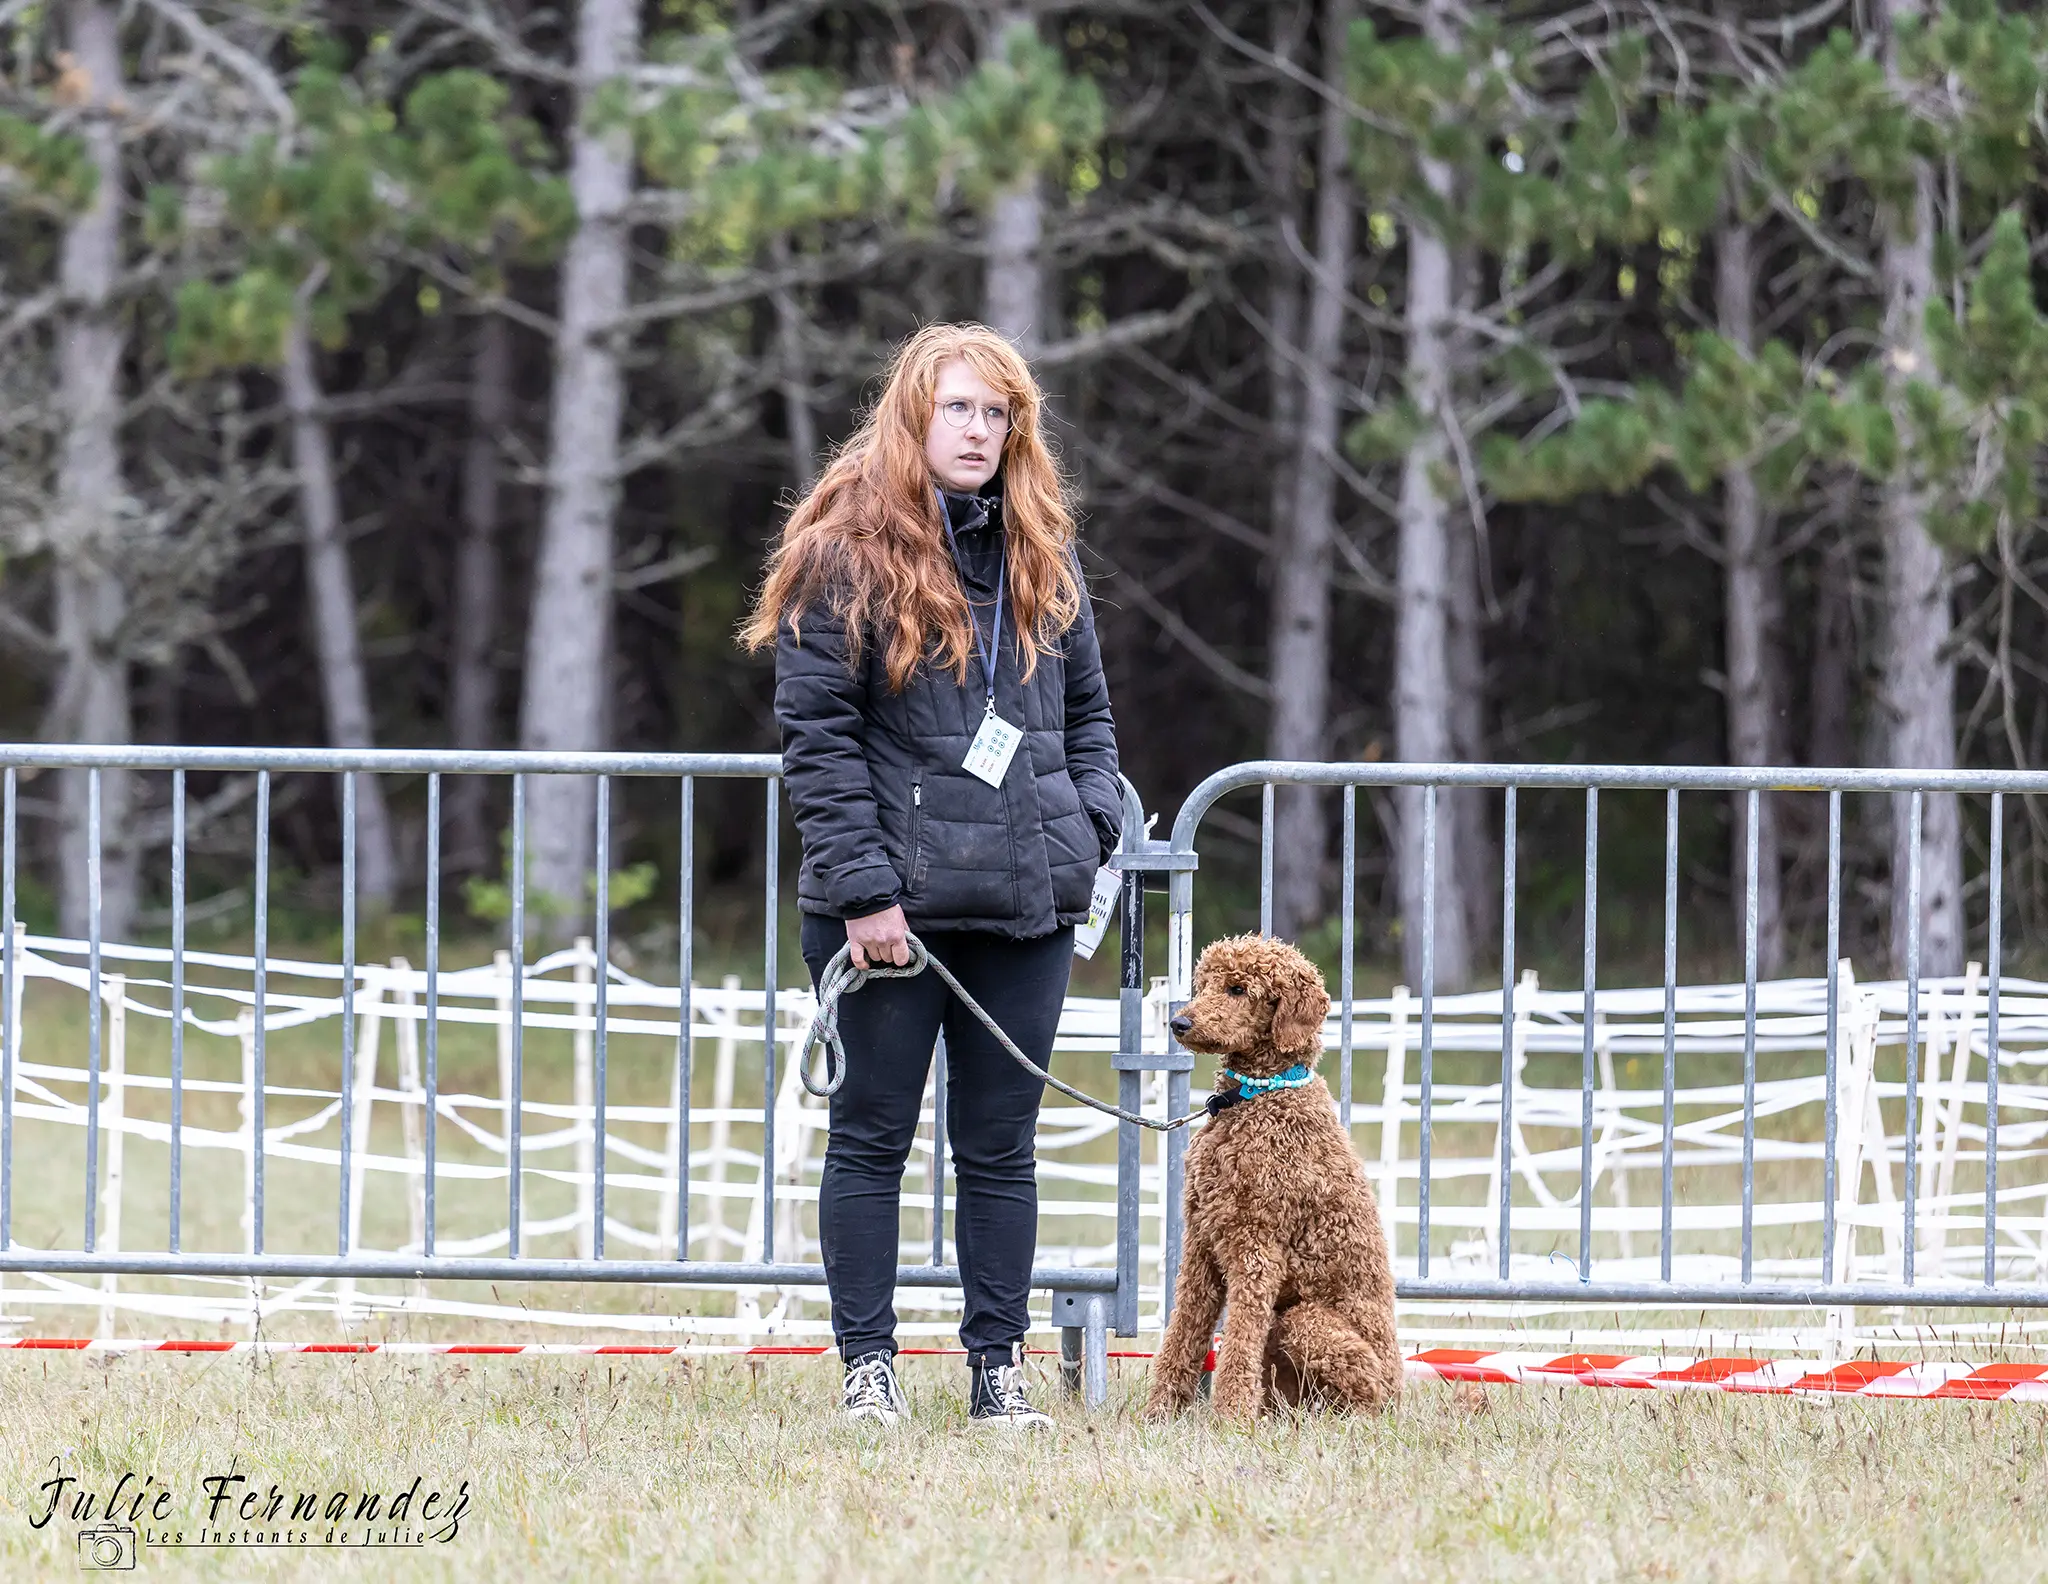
(1280, 1221)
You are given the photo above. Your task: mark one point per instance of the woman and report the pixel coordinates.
(951, 763)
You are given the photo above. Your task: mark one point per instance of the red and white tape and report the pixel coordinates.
(1776, 1377)
(1781, 1377)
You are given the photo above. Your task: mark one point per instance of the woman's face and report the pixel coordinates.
(964, 456)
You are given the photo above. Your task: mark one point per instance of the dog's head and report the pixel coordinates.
(1258, 1002)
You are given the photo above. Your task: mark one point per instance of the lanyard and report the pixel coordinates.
(994, 649)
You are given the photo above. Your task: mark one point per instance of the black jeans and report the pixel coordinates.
(889, 1026)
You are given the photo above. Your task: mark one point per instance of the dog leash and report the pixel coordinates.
(842, 978)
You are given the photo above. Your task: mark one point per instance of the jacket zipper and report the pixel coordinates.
(917, 833)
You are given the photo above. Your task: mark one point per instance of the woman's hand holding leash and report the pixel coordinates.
(880, 938)
(844, 974)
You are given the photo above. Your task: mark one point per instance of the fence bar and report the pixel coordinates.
(433, 1058)
(1995, 950)
(348, 998)
(1751, 814)
(177, 1004)
(939, 1101)
(1130, 1094)
(1266, 861)
(1507, 1027)
(686, 940)
(1428, 1022)
(1349, 889)
(258, 1034)
(517, 1098)
(1180, 969)
(1912, 1025)
(7, 1029)
(1670, 1018)
(407, 1267)
(603, 932)
(1590, 973)
(93, 1010)
(1833, 1122)
(1101, 1279)
(768, 1051)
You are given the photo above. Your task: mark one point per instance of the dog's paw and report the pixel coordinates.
(1163, 1407)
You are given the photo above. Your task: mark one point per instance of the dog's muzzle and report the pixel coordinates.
(1182, 1026)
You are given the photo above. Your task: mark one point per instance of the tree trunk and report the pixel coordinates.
(344, 687)
(1299, 668)
(1919, 676)
(1831, 691)
(473, 674)
(796, 376)
(1014, 285)
(1475, 837)
(1283, 298)
(91, 703)
(1749, 595)
(1435, 641)
(569, 638)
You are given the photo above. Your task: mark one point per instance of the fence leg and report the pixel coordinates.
(1070, 1359)
(115, 988)
(1083, 1319)
(586, 1105)
(1095, 1351)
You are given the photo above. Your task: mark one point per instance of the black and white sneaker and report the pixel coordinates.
(997, 1398)
(870, 1394)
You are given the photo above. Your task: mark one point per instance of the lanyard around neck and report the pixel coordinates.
(994, 649)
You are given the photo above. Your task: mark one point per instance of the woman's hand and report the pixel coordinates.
(879, 938)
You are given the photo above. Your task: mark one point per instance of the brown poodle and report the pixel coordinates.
(1279, 1219)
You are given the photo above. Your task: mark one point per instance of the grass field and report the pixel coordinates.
(644, 1469)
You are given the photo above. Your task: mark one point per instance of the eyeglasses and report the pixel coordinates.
(956, 413)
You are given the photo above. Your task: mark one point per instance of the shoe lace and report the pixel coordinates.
(1005, 1387)
(872, 1384)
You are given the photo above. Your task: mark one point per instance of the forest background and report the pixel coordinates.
(1620, 382)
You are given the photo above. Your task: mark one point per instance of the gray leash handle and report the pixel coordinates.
(841, 978)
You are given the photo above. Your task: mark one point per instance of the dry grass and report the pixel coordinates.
(646, 1470)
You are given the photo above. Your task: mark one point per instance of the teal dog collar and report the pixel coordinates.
(1251, 1088)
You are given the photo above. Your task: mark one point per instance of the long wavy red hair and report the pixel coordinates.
(867, 543)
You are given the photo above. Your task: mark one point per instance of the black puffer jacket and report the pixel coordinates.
(887, 813)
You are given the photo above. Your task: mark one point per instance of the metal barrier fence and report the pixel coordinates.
(1087, 1302)
(1179, 855)
(1081, 1297)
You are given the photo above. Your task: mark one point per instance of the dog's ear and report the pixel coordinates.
(1298, 1014)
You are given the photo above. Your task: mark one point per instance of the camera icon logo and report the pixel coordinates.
(110, 1548)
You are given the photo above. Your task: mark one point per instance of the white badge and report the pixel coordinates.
(994, 746)
(1109, 885)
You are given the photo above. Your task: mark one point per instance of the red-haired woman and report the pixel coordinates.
(951, 764)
